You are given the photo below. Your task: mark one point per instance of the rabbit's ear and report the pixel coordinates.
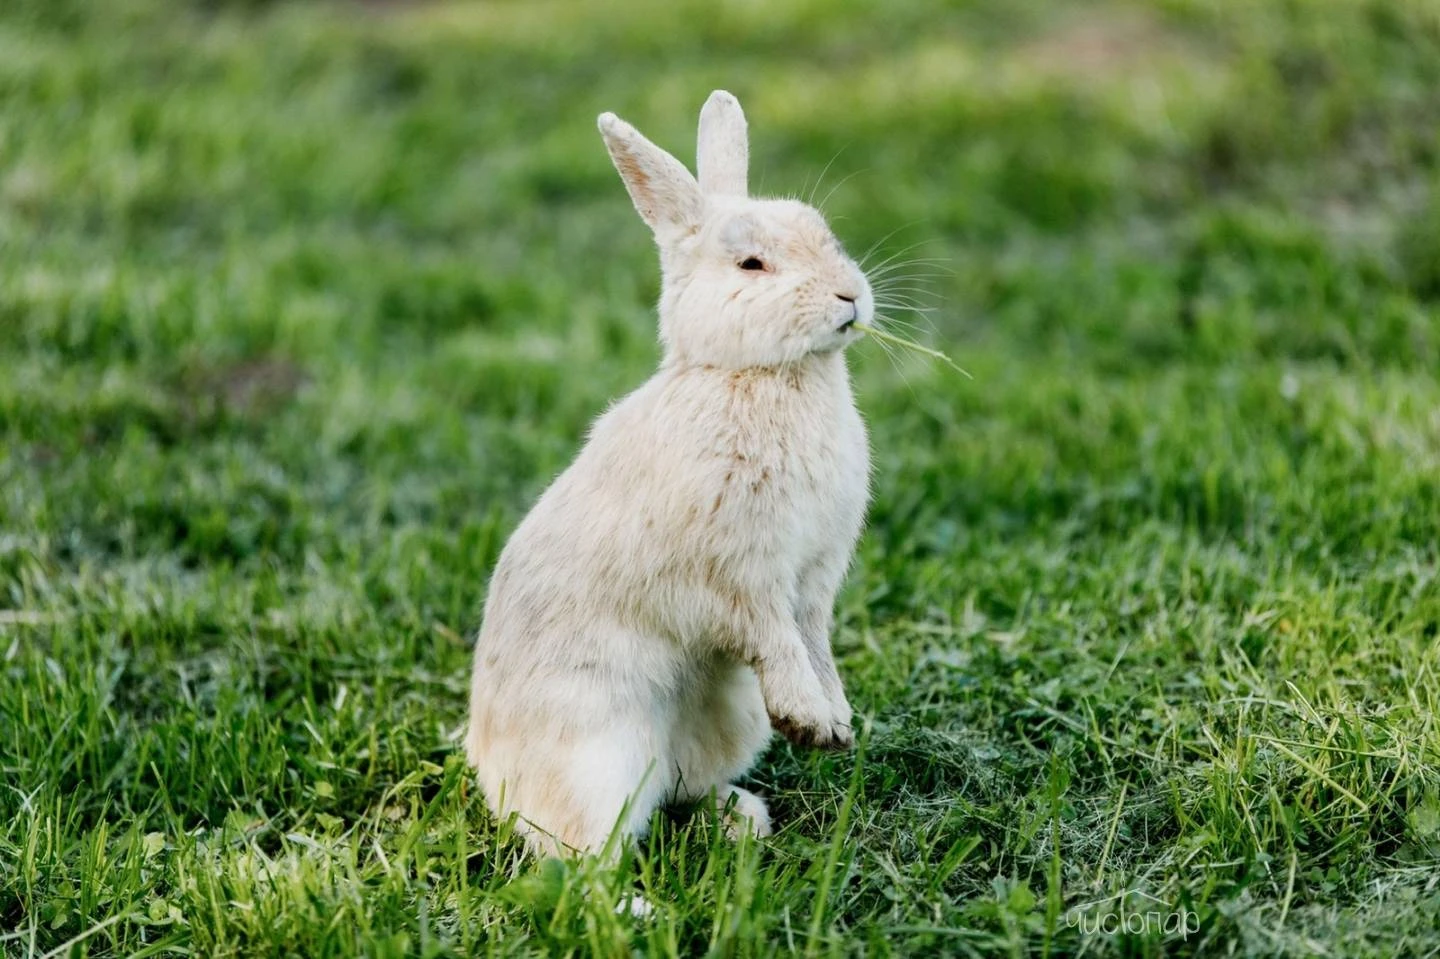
(664, 192)
(723, 156)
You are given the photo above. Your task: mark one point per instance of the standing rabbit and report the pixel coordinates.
(668, 600)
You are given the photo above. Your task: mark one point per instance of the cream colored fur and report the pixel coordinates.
(668, 599)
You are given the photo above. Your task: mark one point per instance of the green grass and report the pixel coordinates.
(301, 305)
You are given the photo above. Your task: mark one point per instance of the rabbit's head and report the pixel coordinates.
(745, 282)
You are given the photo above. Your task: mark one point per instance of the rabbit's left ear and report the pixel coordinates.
(664, 192)
(722, 158)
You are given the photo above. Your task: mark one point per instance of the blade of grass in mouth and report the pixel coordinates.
(880, 334)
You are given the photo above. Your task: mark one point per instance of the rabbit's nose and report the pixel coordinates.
(847, 299)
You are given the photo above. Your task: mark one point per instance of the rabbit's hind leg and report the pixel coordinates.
(588, 796)
(718, 735)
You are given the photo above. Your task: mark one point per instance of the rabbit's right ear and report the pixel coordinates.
(722, 157)
(663, 191)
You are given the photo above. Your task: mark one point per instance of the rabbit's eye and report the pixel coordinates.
(751, 263)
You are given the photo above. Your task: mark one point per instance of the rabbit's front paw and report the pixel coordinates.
(824, 731)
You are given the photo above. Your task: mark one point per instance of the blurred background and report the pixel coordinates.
(375, 217)
(374, 228)
(302, 304)
(275, 270)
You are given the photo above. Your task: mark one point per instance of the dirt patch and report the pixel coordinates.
(1098, 47)
(249, 390)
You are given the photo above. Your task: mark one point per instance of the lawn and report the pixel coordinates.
(302, 305)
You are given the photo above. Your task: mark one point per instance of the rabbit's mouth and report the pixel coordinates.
(847, 326)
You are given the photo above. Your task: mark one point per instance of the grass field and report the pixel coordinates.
(301, 305)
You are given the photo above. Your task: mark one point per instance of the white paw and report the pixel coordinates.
(635, 906)
(807, 717)
(820, 728)
(745, 812)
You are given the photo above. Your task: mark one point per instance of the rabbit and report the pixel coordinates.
(667, 602)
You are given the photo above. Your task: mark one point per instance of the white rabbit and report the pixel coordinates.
(669, 598)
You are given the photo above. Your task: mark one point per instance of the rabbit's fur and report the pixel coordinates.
(668, 599)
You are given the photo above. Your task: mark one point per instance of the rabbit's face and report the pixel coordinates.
(746, 282)
(761, 283)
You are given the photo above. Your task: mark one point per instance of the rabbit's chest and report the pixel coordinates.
(825, 471)
(799, 470)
